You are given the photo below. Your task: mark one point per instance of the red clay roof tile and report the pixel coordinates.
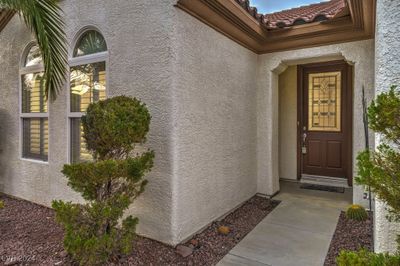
(296, 16)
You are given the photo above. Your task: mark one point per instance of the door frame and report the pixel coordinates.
(348, 123)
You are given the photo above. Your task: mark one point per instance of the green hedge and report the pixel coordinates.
(364, 257)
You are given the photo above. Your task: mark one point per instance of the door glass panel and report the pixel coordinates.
(324, 101)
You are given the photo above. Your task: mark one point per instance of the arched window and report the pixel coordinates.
(87, 85)
(91, 42)
(33, 108)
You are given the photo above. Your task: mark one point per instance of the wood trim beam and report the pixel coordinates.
(228, 18)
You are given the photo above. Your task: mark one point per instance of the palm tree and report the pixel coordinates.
(43, 18)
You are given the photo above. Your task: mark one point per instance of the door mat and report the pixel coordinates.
(322, 188)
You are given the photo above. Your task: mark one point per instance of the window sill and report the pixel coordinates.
(34, 161)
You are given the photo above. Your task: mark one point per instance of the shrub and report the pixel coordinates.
(364, 257)
(1, 204)
(113, 127)
(380, 169)
(357, 212)
(109, 183)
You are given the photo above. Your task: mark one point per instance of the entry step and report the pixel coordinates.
(324, 181)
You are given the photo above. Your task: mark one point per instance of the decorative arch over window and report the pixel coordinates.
(87, 85)
(33, 106)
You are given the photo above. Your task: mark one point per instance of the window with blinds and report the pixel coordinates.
(78, 151)
(33, 95)
(35, 138)
(87, 85)
(34, 115)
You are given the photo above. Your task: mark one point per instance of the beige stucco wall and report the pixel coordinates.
(288, 123)
(387, 70)
(360, 54)
(200, 88)
(214, 124)
(140, 64)
(214, 106)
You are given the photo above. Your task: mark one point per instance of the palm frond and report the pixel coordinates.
(43, 18)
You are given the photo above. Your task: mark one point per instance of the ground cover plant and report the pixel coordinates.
(380, 170)
(95, 232)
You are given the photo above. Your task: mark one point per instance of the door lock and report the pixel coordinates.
(304, 148)
(304, 138)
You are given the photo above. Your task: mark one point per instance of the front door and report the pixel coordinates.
(325, 124)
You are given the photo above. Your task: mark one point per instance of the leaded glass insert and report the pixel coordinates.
(324, 102)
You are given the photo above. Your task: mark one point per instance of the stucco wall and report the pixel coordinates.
(387, 53)
(270, 66)
(214, 124)
(288, 123)
(138, 35)
(201, 98)
(214, 106)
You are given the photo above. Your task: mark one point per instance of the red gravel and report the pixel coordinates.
(28, 232)
(350, 235)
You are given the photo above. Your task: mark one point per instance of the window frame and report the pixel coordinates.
(77, 61)
(23, 70)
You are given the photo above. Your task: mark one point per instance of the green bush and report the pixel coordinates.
(357, 212)
(1, 204)
(366, 258)
(380, 170)
(113, 127)
(109, 184)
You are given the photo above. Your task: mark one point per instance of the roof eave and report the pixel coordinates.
(226, 16)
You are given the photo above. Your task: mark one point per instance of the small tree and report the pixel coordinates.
(109, 184)
(380, 169)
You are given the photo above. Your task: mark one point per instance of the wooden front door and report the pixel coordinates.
(325, 126)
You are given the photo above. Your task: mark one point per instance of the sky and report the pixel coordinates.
(269, 6)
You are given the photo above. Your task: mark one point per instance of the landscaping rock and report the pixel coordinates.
(350, 235)
(194, 243)
(24, 231)
(224, 230)
(184, 251)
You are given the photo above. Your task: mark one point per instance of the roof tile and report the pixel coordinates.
(296, 16)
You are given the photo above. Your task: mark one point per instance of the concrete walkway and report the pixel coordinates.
(298, 232)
